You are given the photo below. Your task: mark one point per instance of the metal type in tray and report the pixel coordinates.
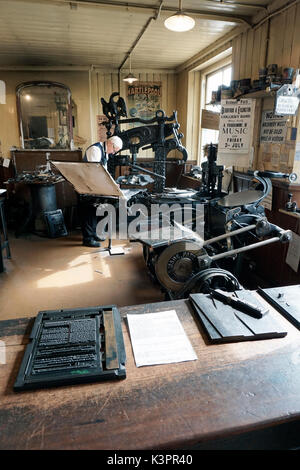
(73, 346)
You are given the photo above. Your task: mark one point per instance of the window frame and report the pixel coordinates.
(218, 66)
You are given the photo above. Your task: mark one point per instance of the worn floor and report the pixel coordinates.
(60, 273)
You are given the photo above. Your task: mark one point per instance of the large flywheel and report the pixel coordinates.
(177, 264)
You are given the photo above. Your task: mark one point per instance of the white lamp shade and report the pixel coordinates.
(179, 22)
(130, 78)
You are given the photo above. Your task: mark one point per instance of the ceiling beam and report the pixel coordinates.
(237, 4)
(205, 14)
(202, 56)
(143, 30)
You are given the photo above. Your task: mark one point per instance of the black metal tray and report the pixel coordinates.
(73, 346)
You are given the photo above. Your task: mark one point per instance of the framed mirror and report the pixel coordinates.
(45, 115)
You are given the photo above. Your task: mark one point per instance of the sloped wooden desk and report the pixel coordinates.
(232, 393)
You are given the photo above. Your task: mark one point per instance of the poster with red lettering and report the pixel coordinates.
(144, 99)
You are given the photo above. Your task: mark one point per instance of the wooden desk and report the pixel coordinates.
(230, 390)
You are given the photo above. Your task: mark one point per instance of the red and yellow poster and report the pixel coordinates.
(144, 99)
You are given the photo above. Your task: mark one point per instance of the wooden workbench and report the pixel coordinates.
(231, 390)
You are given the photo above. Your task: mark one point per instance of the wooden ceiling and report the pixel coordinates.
(104, 32)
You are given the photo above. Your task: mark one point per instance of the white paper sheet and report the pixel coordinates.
(293, 254)
(159, 338)
(117, 250)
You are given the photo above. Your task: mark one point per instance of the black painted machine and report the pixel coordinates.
(186, 261)
(161, 134)
(234, 224)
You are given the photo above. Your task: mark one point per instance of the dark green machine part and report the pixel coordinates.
(73, 346)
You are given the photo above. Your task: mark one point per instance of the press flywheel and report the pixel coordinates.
(177, 264)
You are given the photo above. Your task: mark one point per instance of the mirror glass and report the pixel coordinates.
(45, 115)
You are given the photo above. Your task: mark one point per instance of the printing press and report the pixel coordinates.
(186, 261)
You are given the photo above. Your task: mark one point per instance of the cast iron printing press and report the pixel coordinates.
(233, 223)
(86, 345)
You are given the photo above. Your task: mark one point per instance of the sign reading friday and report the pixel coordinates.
(235, 130)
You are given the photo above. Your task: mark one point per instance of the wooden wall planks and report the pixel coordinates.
(276, 41)
(107, 83)
(289, 33)
(249, 48)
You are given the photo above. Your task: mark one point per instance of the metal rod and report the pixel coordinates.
(274, 13)
(238, 4)
(146, 171)
(229, 234)
(244, 248)
(145, 27)
(213, 15)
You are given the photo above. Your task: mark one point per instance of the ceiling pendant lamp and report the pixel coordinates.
(180, 22)
(130, 78)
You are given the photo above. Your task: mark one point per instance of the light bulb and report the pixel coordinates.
(130, 78)
(179, 22)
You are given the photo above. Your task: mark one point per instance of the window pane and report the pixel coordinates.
(226, 76)
(209, 136)
(213, 81)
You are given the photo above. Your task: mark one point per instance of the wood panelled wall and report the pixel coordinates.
(87, 88)
(182, 102)
(274, 41)
(188, 106)
(193, 115)
(104, 84)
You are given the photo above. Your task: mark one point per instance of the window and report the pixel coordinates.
(213, 81)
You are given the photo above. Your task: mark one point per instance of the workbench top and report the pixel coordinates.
(231, 389)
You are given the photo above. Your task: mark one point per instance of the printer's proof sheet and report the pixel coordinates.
(159, 338)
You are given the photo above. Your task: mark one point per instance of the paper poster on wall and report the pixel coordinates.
(236, 126)
(293, 254)
(144, 99)
(273, 128)
(210, 120)
(287, 105)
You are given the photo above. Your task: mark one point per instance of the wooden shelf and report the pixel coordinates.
(253, 94)
(258, 94)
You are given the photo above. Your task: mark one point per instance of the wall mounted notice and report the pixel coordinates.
(236, 125)
(293, 254)
(273, 128)
(144, 99)
(287, 105)
(210, 120)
